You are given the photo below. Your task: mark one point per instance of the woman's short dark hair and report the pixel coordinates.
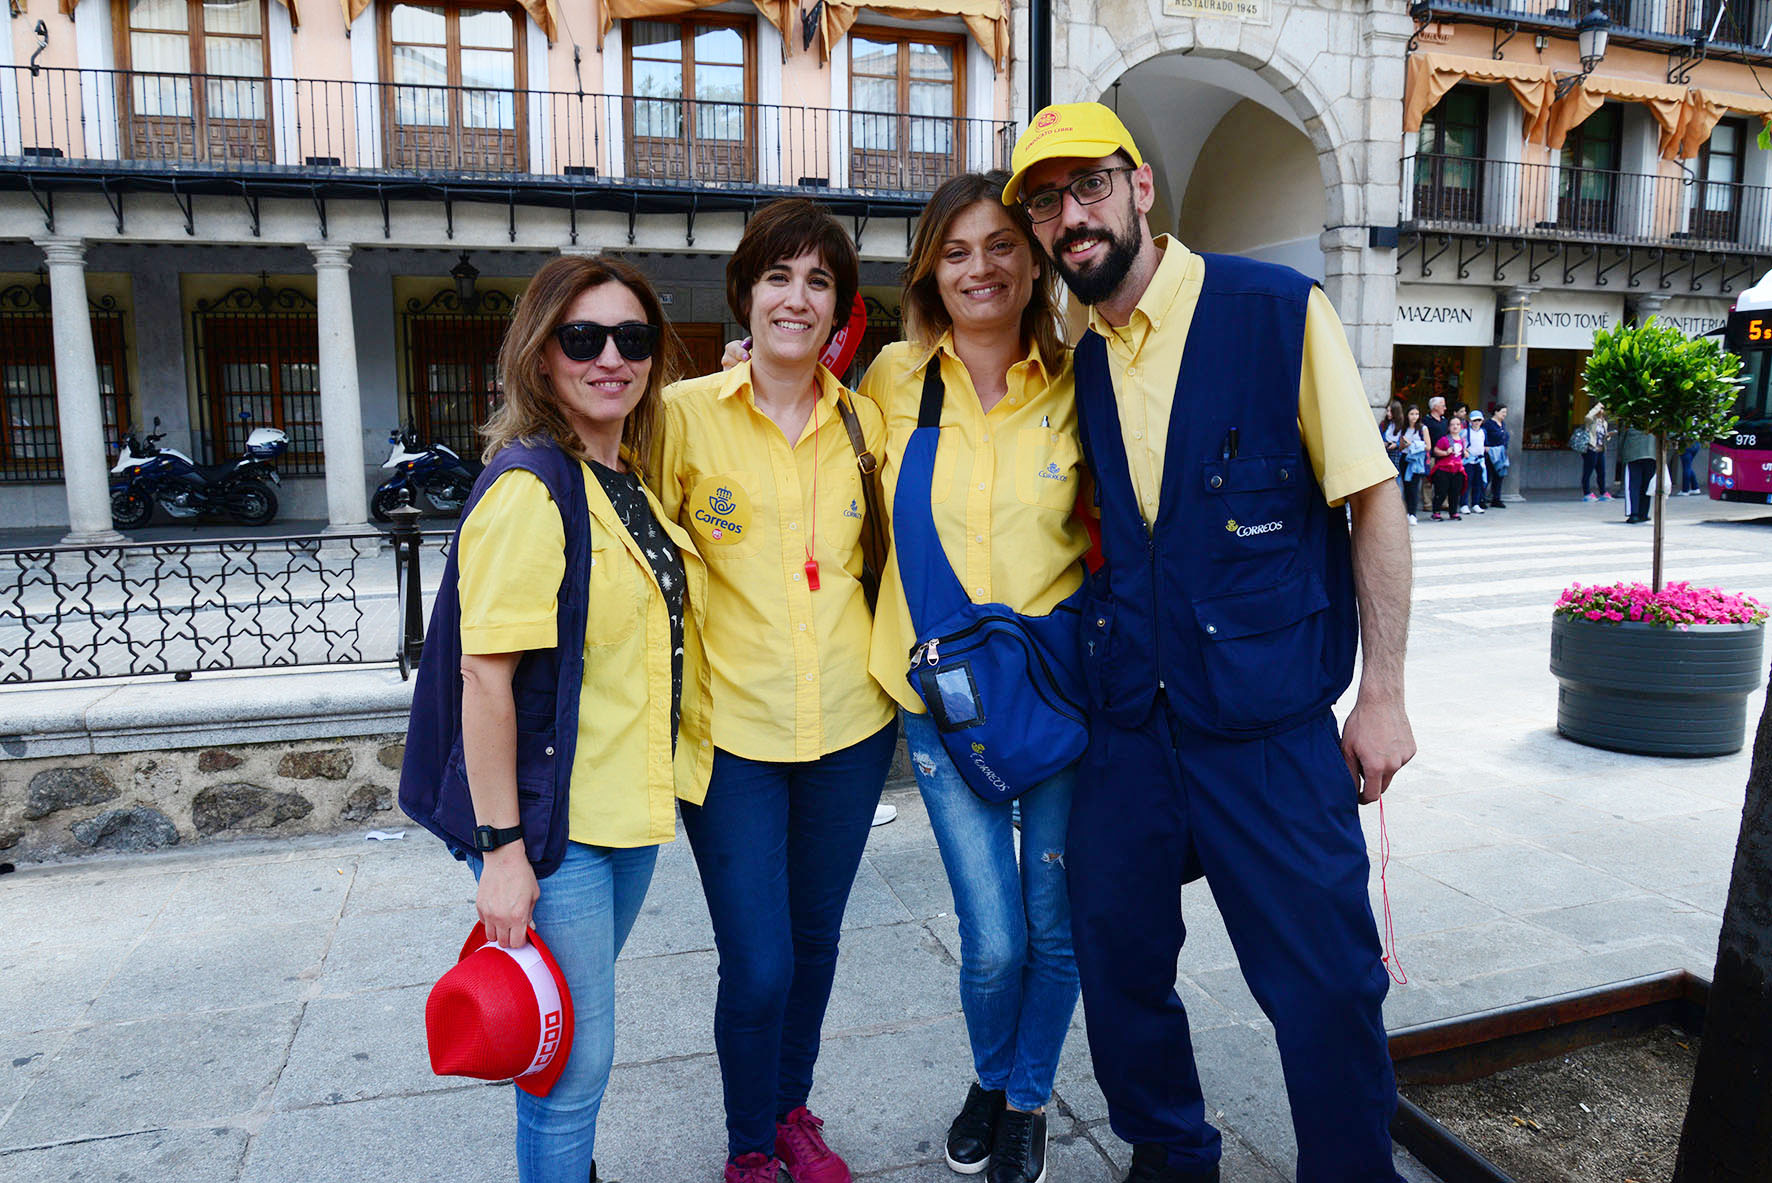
(784, 230)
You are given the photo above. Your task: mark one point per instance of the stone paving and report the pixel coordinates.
(253, 1010)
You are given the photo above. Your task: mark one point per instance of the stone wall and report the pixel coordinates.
(62, 806)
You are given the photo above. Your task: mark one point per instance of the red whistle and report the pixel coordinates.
(812, 574)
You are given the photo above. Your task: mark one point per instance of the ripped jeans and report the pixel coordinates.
(1018, 976)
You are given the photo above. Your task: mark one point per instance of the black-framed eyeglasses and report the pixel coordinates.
(1086, 189)
(583, 340)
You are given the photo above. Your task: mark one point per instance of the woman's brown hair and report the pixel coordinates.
(787, 229)
(530, 408)
(925, 316)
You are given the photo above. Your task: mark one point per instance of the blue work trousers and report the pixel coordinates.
(1272, 824)
(778, 845)
(1018, 977)
(586, 910)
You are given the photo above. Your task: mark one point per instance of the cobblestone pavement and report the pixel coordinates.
(253, 1011)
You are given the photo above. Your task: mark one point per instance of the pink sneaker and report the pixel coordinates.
(801, 1149)
(755, 1167)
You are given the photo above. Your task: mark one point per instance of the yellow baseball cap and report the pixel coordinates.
(1084, 130)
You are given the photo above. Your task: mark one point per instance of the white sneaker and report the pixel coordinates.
(884, 813)
(1478, 509)
(1411, 519)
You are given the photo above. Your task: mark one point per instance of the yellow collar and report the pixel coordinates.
(1174, 269)
(737, 381)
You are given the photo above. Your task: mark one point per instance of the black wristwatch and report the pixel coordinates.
(488, 839)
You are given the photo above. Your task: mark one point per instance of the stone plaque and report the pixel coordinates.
(1254, 11)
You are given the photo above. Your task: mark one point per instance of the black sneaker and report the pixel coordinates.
(973, 1132)
(1019, 1154)
(1150, 1165)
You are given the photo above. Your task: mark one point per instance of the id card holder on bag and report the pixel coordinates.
(951, 694)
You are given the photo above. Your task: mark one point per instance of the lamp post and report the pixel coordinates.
(465, 273)
(1590, 43)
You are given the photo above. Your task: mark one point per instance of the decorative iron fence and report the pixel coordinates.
(1741, 26)
(137, 120)
(142, 608)
(1507, 197)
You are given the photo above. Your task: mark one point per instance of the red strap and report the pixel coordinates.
(1391, 965)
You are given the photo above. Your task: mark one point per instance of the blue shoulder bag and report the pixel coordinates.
(1004, 689)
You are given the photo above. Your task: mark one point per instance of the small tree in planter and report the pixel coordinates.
(1658, 670)
(1651, 377)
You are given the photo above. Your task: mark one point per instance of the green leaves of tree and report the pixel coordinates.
(1653, 378)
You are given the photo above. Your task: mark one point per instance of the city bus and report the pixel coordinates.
(1741, 462)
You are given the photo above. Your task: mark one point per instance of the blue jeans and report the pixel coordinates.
(586, 910)
(1593, 467)
(1688, 479)
(778, 845)
(1473, 484)
(1018, 976)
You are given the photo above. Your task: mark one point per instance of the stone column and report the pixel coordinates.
(85, 475)
(1361, 281)
(1646, 305)
(341, 410)
(1510, 385)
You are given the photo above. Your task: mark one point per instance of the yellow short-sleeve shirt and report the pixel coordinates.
(510, 561)
(790, 663)
(1003, 494)
(1144, 356)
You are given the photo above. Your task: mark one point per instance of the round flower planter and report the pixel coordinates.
(1654, 689)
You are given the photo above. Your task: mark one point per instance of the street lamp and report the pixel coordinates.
(1590, 44)
(464, 274)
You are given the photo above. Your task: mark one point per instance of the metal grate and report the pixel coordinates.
(258, 365)
(452, 365)
(30, 425)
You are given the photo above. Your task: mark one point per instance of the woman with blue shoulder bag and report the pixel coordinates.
(975, 636)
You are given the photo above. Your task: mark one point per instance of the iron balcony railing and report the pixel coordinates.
(135, 121)
(1505, 197)
(1741, 29)
(143, 608)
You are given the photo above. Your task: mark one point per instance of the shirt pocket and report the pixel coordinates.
(617, 594)
(1046, 467)
(723, 514)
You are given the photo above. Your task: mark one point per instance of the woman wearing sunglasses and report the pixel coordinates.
(582, 685)
(758, 465)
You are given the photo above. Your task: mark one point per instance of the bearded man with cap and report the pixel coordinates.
(1226, 426)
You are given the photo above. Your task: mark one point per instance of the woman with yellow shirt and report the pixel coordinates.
(560, 709)
(979, 304)
(756, 463)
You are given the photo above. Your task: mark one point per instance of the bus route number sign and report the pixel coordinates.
(1749, 330)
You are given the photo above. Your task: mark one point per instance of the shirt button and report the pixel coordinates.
(1217, 481)
(1132, 371)
(809, 677)
(981, 488)
(549, 751)
(796, 577)
(978, 537)
(1212, 628)
(1138, 435)
(793, 525)
(978, 591)
(802, 628)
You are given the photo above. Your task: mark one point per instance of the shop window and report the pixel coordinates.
(1554, 396)
(1423, 372)
(691, 84)
(1716, 198)
(197, 89)
(1588, 179)
(30, 430)
(457, 102)
(1449, 157)
(905, 92)
(258, 365)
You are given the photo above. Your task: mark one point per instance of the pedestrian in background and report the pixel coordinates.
(1593, 455)
(1495, 441)
(759, 465)
(560, 709)
(1395, 420)
(1689, 483)
(1636, 449)
(1448, 470)
(1416, 459)
(1475, 452)
(980, 307)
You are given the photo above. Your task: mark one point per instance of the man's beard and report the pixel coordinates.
(1104, 278)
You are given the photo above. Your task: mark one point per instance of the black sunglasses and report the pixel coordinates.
(583, 340)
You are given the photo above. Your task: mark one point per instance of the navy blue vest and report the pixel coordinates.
(433, 777)
(1239, 601)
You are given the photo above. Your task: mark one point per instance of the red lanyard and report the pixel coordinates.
(812, 532)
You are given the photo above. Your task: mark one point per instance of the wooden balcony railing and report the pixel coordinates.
(1505, 197)
(135, 121)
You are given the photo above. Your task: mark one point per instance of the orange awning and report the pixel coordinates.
(1666, 102)
(1703, 109)
(1431, 75)
(779, 13)
(542, 12)
(987, 20)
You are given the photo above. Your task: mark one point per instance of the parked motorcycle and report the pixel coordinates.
(166, 477)
(432, 475)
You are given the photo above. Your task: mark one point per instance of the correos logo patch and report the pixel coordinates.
(720, 510)
(1052, 473)
(1257, 531)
